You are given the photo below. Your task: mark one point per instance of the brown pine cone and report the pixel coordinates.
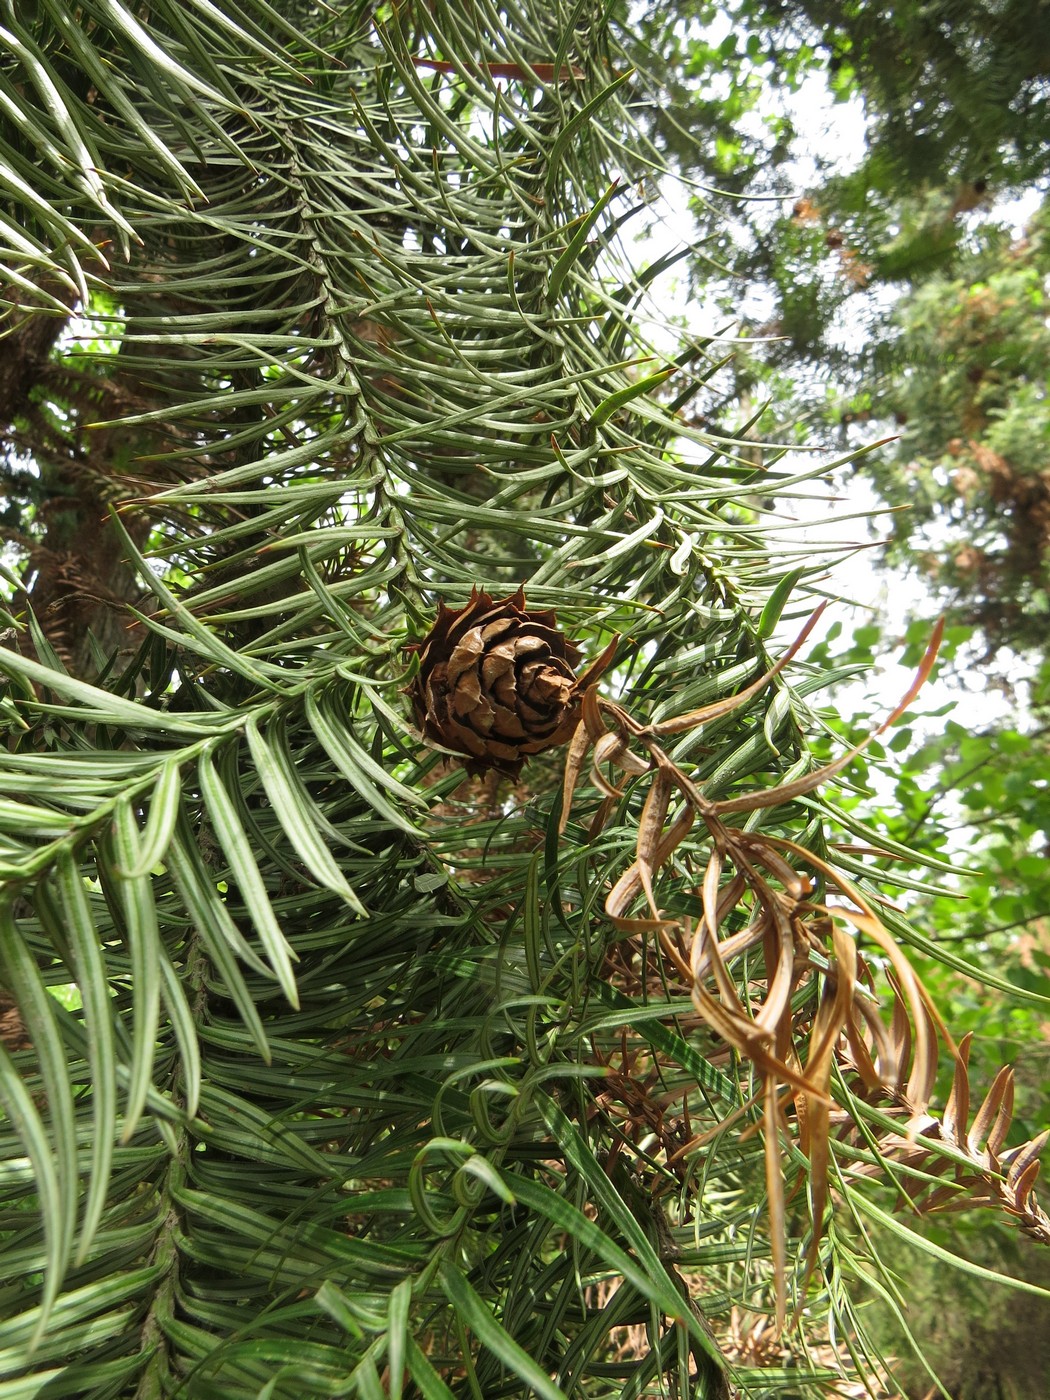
(496, 682)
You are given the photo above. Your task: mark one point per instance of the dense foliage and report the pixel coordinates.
(325, 1069)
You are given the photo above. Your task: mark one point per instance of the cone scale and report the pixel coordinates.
(496, 682)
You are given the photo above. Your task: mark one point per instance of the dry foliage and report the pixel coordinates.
(982, 1171)
(759, 892)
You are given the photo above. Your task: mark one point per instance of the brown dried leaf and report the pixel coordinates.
(591, 674)
(629, 883)
(771, 1121)
(923, 1077)
(862, 1060)
(650, 831)
(574, 760)
(957, 1110)
(780, 969)
(988, 1114)
(1023, 1158)
(1003, 1119)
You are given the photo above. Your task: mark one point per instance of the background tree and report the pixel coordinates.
(898, 300)
(344, 1076)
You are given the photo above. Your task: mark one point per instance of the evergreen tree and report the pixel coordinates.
(326, 1069)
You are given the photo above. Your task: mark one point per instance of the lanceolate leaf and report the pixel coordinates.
(219, 935)
(143, 935)
(150, 848)
(579, 1156)
(222, 812)
(292, 805)
(622, 397)
(58, 1183)
(577, 243)
(89, 970)
(478, 1317)
(353, 763)
(51, 1180)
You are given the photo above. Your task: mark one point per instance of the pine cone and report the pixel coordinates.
(496, 682)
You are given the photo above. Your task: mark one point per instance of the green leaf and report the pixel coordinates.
(397, 1336)
(244, 868)
(430, 1384)
(480, 1320)
(356, 766)
(102, 706)
(160, 821)
(294, 807)
(136, 897)
(775, 604)
(221, 938)
(577, 242)
(58, 1183)
(52, 1178)
(579, 1156)
(943, 1256)
(608, 407)
(94, 990)
(569, 132)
